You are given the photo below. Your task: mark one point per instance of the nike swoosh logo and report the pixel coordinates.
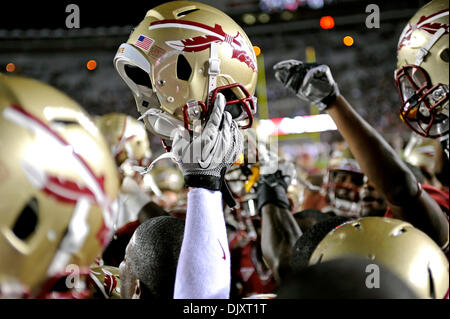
(204, 164)
(224, 257)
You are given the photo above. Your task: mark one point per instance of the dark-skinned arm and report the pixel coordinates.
(388, 173)
(279, 231)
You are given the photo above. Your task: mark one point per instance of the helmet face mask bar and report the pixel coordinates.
(424, 107)
(343, 191)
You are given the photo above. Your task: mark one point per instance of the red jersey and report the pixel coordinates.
(248, 268)
(441, 198)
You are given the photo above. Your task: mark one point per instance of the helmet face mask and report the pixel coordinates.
(189, 60)
(128, 141)
(342, 185)
(422, 70)
(424, 107)
(343, 188)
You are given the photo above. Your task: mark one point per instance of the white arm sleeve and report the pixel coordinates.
(203, 270)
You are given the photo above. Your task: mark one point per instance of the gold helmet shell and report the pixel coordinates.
(184, 53)
(58, 185)
(127, 138)
(422, 155)
(396, 244)
(422, 70)
(295, 195)
(168, 178)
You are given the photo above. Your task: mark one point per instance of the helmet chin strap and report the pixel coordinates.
(423, 51)
(213, 69)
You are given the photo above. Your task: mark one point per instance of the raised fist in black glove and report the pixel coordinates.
(310, 81)
(275, 177)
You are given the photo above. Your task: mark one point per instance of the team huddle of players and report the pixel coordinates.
(86, 211)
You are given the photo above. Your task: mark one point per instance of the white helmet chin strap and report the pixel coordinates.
(213, 69)
(423, 51)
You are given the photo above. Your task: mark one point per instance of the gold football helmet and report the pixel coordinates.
(168, 179)
(58, 186)
(295, 195)
(421, 154)
(396, 244)
(105, 282)
(128, 140)
(179, 58)
(422, 70)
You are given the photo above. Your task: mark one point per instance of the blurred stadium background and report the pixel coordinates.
(35, 42)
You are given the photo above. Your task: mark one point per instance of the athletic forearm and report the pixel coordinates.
(377, 159)
(280, 231)
(388, 173)
(203, 269)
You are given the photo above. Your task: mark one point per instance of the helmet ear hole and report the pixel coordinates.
(184, 69)
(26, 223)
(137, 75)
(444, 55)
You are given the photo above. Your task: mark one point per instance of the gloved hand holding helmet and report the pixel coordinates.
(204, 159)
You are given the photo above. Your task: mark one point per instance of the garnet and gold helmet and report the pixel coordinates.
(168, 179)
(295, 195)
(421, 153)
(393, 243)
(179, 58)
(127, 138)
(105, 282)
(422, 70)
(58, 186)
(342, 185)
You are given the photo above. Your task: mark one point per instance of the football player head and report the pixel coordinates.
(127, 139)
(372, 202)
(422, 71)
(342, 185)
(149, 267)
(395, 244)
(179, 58)
(58, 187)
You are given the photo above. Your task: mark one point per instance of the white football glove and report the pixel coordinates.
(204, 159)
